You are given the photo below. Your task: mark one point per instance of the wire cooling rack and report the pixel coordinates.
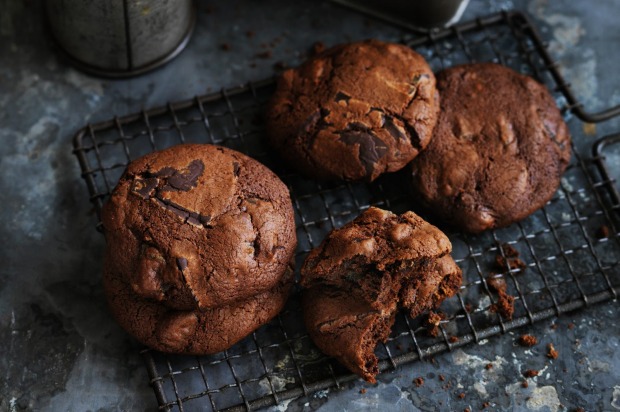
(570, 248)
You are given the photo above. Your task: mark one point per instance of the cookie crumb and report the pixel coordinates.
(488, 366)
(553, 326)
(509, 250)
(453, 339)
(468, 307)
(505, 302)
(433, 320)
(510, 263)
(466, 410)
(527, 340)
(419, 381)
(580, 409)
(524, 384)
(486, 405)
(363, 391)
(552, 352)
(442, 378)
(530, 373)
(461, 395)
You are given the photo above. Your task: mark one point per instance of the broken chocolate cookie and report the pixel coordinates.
(363, 272)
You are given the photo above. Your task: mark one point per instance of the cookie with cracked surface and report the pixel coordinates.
(191, 332)
(498, 151)
(363, 272)
(354, 111)
(198, 227)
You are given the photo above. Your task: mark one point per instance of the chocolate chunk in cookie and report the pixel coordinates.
(498, 151)
(354, 111)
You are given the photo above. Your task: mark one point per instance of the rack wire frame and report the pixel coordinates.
(571, 262)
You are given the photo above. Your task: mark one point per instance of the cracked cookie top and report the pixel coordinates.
(354, 111)
(199, 226)
(498, 151)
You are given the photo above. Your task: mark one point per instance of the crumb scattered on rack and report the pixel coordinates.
(488, 366)
(505, 302)
(510, 263)
(525, 384)
(433, 321)
(363, 391)
(461, 395)
(419, 381)
(509, 258)
(530, 373)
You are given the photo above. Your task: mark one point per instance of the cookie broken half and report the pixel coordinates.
(362, 273)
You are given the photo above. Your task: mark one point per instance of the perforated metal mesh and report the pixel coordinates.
(570, 248)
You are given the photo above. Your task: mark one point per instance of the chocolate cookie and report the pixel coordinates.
(199, 226)
(498, 150)
(363, 272)
(199, 244)
(191, 332)
(354, 111)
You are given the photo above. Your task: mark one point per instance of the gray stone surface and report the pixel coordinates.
(60, 348)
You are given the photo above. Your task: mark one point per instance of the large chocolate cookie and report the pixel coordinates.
(191, 332)
(199, 226)
(354, 111)
(363, 272)
(199, 244)
(498, 150)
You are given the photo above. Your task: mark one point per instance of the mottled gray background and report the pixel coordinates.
(61, 350)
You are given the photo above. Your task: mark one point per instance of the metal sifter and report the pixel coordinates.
(120, 38)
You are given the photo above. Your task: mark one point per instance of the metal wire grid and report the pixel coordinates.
(569, 264)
